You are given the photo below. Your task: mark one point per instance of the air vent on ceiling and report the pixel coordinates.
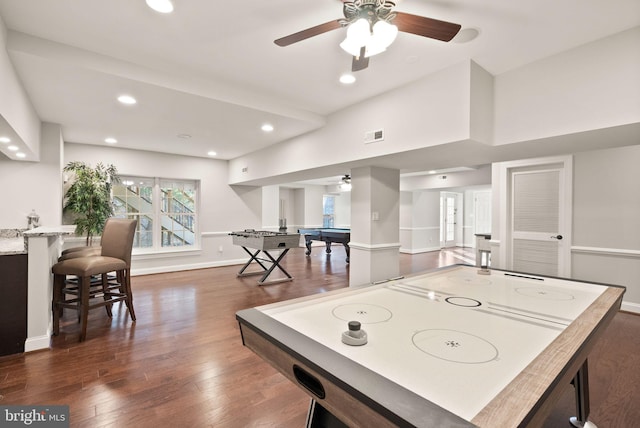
(374, 136)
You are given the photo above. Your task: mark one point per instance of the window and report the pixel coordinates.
(328, 210)
(166, 210)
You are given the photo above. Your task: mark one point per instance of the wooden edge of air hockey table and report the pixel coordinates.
(361, 397)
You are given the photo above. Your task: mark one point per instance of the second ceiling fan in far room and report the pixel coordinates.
(372, 26)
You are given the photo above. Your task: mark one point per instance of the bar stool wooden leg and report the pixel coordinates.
(84, 289)
(126, 284)
(58, 286)
(105, 292)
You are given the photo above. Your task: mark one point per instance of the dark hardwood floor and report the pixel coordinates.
(182, 364)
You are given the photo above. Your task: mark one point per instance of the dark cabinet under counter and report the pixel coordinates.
(13, 303)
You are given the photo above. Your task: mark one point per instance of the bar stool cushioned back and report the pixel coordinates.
(115, 256)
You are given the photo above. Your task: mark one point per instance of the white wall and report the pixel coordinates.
(342, 212)
(606, 219)
(223, 208)
(313, 206)
(15, 107)
(444, 118)
(33, 185)
(270, 208)
(419, 221)
(591, 87)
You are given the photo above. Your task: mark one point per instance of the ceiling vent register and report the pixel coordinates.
(373, 136)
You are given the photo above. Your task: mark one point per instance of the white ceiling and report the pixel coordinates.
(211, 69)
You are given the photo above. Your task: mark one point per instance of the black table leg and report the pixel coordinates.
(581, 385)
(246, 265)
(276, 263)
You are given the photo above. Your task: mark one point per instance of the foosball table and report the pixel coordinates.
(256, 241)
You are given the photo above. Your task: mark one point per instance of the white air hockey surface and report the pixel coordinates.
(454, 337)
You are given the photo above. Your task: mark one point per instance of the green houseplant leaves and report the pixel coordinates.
(89, 196)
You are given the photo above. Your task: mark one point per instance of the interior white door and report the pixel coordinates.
(482, 212)
(448, 219)
(538, 226)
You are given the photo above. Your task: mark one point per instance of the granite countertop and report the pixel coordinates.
(10, 246)
(50, 231)
(12, 242)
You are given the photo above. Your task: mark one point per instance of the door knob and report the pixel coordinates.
(558, 237)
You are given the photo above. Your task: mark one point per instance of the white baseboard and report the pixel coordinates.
(631, 307)
(418, 250)
(36, 343)
(178, 268)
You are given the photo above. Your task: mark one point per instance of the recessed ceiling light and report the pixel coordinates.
(432, 171)
(13, 148)
(466, 35)
(110, 140)
(162, 6)
(347, 79)
(21, 155)
(267, 127)
(211, 153)
(5, 140)
(184, 136)
(127, 99)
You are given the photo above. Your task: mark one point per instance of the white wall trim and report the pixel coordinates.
(630, 307)
(192, 266)
(374, 247)
(621, 252)
(418, 250)
(421, 228)
(214, 234)
(38, 342)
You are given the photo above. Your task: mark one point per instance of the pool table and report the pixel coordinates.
(328, 236)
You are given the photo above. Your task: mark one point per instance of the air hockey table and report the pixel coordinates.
(453, 347)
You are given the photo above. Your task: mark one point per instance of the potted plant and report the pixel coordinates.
(89, 197)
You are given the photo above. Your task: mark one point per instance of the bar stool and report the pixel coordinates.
(115, 256)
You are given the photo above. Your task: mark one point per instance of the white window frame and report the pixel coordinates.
(157, 214)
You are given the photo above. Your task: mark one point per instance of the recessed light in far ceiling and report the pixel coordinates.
(13, 148)
(110, 140)
(267, 127)
(162, 6)
(347, 79)
(21, 155)
(5, 140)
(184, 136)
(432, 171)
(127, 99)
(211, 153)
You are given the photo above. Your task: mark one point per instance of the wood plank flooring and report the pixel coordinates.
(182, 364)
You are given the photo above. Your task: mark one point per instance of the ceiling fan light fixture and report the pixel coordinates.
(358, 35)
(375, 40)
(384, 33)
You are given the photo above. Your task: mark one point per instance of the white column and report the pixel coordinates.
(375, 225)
(44, 245)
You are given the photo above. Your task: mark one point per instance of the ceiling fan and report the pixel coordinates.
(372, 27)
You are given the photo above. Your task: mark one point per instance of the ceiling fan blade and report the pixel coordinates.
(309, 32)
(360, 62)
(426, 27)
